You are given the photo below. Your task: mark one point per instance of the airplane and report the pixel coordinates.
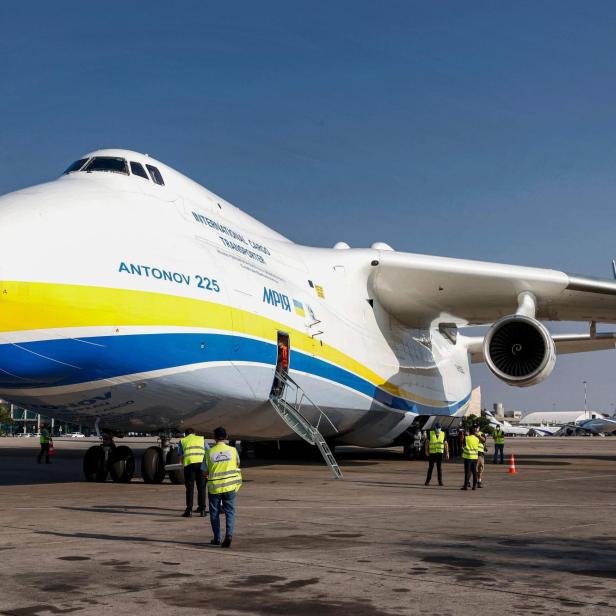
(598, 426)
(505, 426)
(544, 430)
(134, 299)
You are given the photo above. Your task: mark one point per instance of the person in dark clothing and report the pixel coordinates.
(45, 442)
(436, 449)
(470, 453)
(192, 449)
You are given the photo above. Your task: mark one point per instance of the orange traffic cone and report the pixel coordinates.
(512, 470)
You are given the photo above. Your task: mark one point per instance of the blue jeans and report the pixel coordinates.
(499, 449)
(226, 501)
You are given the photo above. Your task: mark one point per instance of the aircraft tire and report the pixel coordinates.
(409, 452)
(121, 464)
(95, 464)
(152, 466)
(176, 477)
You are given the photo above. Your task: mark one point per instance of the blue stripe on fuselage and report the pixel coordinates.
(60, 362)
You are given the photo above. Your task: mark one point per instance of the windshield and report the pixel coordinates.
(76, 166)
(110, 164)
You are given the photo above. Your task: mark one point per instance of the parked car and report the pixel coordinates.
(76, 435)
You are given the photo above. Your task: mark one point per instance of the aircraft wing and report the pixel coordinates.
(420, 290)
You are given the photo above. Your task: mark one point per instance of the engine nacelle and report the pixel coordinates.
(519, 350)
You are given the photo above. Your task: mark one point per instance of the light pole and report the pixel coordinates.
(585, 401)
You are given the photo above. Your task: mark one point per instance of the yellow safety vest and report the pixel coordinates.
(481, 448)
(499, 437)
(471, 447)
(223, 469)
(44, 438)
(437, 442)
(193, 449)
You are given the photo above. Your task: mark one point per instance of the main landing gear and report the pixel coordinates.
(109, 459)
(154, 460)
(118, 461)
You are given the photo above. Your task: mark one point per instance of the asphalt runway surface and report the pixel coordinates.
(377, 543)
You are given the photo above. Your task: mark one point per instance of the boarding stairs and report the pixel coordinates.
(287, 398)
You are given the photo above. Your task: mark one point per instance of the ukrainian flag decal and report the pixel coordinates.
(299, 308)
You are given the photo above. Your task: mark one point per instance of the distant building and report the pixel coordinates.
(513, 417)
(21, 421)
(559, 418)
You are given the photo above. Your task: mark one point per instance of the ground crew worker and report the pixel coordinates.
(222, 464)
(192, 449)
(45, 443)
(436, 448)
(499, 444)
(481, 461)
(470, 453)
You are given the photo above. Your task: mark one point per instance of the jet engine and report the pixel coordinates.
(519, 350)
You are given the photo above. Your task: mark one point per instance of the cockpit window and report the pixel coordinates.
(76, 166)
(157, 178)
(110, 164)
(137, 169)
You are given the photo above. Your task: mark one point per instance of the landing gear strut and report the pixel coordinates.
(154, 460)
(108, 459)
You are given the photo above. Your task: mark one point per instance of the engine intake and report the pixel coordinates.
(519, 350)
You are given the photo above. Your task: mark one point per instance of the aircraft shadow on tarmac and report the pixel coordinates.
(18, 466)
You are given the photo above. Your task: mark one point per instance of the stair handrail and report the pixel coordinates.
(285, 379)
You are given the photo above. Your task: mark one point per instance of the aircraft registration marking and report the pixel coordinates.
(158, 273)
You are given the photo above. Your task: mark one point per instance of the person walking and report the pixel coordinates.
(45, 443)
(470, 453)
(222, 464)
(436, 449)
(481, 462)
(499, 444)
(192, 450)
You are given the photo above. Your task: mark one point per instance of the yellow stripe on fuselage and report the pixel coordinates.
(26, 306)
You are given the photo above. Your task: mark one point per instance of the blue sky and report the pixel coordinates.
(482, 130)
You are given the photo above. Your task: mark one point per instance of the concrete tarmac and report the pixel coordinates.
(377, 543)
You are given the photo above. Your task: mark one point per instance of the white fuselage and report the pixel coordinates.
(156, 307)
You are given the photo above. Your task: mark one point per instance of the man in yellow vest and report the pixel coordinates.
(192, 449)
(481, 461)
(222, 464)
(499, 444)
(45, 443)
(436, 448)
(470, 453)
